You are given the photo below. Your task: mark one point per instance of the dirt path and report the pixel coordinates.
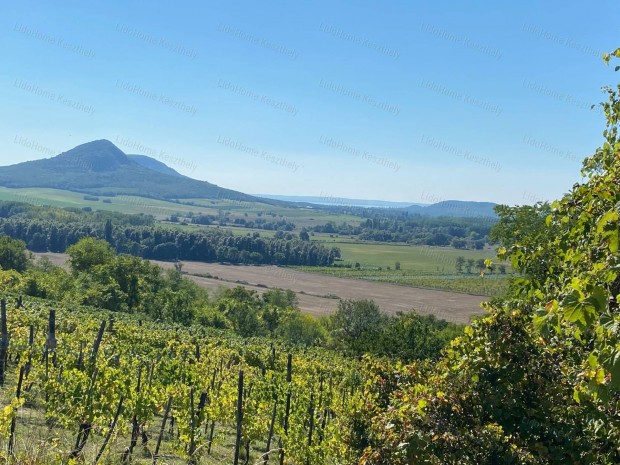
(319, 294)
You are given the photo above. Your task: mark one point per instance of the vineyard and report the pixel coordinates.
(102, 387)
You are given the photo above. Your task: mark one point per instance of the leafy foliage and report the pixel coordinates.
(537, 381)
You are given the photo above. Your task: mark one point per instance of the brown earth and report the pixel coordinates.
(319, 294)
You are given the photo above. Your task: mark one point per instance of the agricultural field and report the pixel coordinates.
(419, 266)
(161, 209)
(419, 259)
(123, 203)
(319, 294)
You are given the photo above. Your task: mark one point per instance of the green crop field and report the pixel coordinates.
(122, 203)
(420, 266)
(415, 258)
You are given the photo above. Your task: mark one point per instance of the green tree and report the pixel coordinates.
(460, 262)
(13, 254)
(520, 224)
(89, 253)
(469, 266)
(108, 231)
(281, 298)
(297, 328)
(356, 323)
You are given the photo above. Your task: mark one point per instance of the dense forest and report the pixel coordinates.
(49, 229)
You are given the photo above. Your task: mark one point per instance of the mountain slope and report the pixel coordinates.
(155, 165)
(101, 168)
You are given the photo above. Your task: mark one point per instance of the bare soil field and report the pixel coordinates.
(319, 295)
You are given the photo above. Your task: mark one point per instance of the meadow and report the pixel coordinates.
(420, 266)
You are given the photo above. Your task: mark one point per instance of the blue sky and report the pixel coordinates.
(415, 101)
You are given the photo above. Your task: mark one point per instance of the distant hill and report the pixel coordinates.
(336, 201)
(451, 208)
(154, 165)
(456, 208)
(101, 168)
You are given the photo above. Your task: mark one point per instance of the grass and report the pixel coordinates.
(123, 203)
(420, 266)
(411, 258)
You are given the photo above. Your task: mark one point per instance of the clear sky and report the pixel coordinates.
(417, 101)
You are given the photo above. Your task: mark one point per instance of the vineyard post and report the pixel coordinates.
(4, 342)
(80, 360)
(30, 346)
(18, 394)
(239, 418)
(192, 439)
(50, 344)
(85, 427)
(271, 428)
(289, 378)
(324, 410)
(161, 431)
(199, 414)
(212, 429)
(110, 431)
(311, 425)
(93, 356)
(135, 427)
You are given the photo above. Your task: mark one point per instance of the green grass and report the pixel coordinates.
(302, 217)
(412, 258)
(123, 203)
(237, 231)
(420, 266)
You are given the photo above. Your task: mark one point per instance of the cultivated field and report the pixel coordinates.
(319, 294)
(161, 209)
(417, 258)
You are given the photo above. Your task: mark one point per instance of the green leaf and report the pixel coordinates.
(584, 312)
(599, 299)
(609, 217)
(539, 322)
(613, 366)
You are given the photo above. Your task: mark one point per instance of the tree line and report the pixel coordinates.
(45, 229)
(460, 233)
